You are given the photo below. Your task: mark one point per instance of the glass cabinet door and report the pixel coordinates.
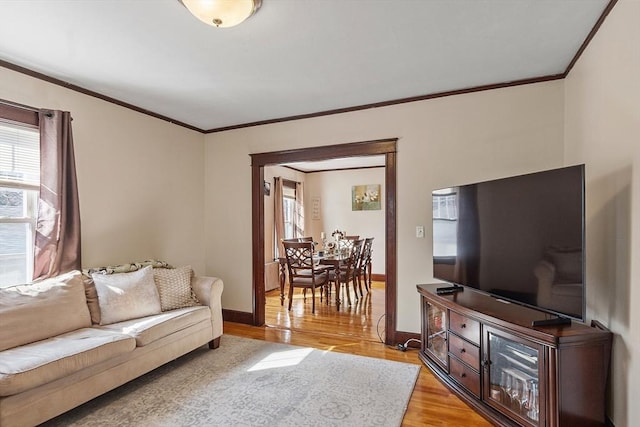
(436, 333)
(512, 376)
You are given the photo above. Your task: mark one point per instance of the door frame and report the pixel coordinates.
(386, 147)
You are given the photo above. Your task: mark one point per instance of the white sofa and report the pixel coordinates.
(54, 358)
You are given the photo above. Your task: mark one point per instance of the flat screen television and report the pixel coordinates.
(520, 238)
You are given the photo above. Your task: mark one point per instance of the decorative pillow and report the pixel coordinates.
(127, 268)
(174, 286)
(124, 296)
(92, 298)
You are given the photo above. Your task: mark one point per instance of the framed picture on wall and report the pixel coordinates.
(365, 197)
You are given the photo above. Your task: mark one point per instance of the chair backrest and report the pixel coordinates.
(354, 256)
(299, 258)
(299, 239)
(367, 250)
(346, 243)
(365, 258)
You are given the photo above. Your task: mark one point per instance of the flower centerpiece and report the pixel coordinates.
(337, 235)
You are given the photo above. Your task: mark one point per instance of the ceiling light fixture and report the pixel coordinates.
(222, 13)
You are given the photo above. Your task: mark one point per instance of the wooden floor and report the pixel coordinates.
(354, 330)
(362, 319)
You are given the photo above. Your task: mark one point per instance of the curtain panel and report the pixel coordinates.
(299, 211)
(57, 240)
(278, 216)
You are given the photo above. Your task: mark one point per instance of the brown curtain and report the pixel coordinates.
(278, 216)
(57, 245)
(299, 211)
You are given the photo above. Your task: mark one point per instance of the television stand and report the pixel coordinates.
(556, 321)
(478, 347)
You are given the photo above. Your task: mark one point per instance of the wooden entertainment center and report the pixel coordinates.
(514, 374)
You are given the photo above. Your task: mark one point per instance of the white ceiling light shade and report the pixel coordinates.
(222, 13)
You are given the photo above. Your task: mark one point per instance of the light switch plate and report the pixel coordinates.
(420, 231)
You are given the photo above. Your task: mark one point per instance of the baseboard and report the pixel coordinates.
(378, 277)
(237, 316)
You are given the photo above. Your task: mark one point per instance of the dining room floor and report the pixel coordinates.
(363, 319)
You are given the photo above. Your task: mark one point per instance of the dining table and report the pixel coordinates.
(336, 260)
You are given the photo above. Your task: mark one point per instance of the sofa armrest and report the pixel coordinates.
(209, 292)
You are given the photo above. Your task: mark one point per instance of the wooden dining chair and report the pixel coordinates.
(346, 243)
(303, 271)
(299, 239)
(345, 274)
(363, 265)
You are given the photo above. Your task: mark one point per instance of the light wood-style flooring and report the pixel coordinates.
(355, 330)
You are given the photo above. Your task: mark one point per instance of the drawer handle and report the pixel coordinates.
(462, 375)
(464, 325)
(462, 350)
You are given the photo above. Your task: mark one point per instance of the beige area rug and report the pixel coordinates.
(249, 382)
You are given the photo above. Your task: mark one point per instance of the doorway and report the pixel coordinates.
(385, 147)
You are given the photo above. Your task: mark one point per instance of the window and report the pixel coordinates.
(19, 187)
(289, 209)
(445, 222)
(445, 205)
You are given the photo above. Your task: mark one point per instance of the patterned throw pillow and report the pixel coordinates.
(174, 287)
(124, 296)
(128, 268)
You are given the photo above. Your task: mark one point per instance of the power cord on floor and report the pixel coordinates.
(405, 346)
(378, 329)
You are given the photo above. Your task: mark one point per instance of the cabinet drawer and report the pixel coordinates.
(465, 351)
(465, 375)
(465, 327)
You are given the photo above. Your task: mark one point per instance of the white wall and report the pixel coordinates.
(333, 189)
(602, 130)
(140, 179)
(442, 142)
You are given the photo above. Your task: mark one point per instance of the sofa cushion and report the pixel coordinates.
(27, 312)
(31, 365)
(174, 287)
(125, 296)
(149, 329)
(91, 294)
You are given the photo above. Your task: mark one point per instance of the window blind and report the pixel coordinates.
(19, 155)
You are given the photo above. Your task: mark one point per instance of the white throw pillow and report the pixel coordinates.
(174, 286)
(125, 296)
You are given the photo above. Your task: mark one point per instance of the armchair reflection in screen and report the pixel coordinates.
(560, 281)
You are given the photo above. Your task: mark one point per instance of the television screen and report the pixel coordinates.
(519, 238)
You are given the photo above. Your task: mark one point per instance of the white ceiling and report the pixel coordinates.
(294, 57)
(338, 164)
